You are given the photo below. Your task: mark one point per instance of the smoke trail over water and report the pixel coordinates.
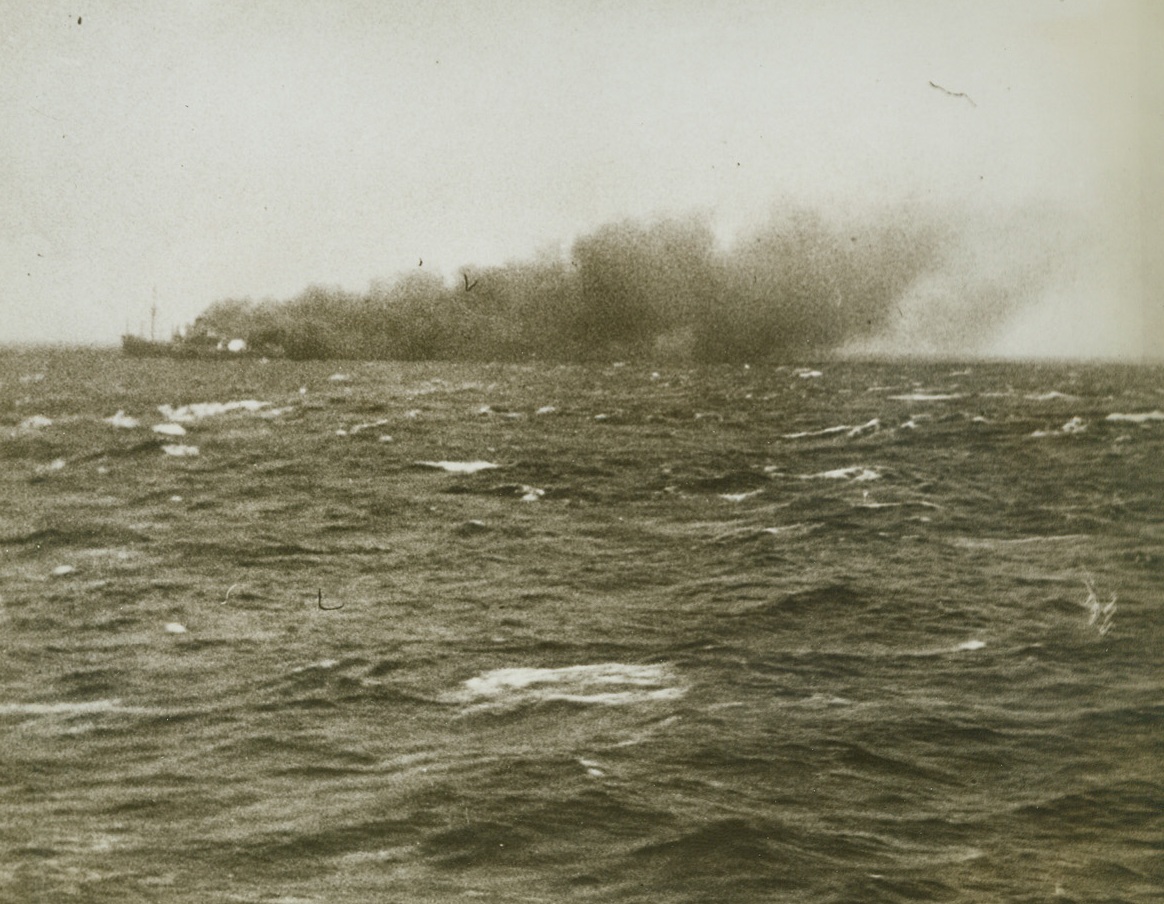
(803, 284)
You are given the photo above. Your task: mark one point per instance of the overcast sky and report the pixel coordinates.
(192, 150)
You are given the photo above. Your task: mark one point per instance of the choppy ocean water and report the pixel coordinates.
(385, 632)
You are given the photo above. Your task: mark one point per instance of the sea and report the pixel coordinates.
(334, 632)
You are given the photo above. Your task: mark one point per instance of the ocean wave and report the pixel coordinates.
(740, 497)
(827, 431)
(458, 467)
(995, 542)
(1049, 396)
(198, 410)
(1075, 425)
(67, 708)
(1140, 418)
(847, 429)
(608, 683)
(122, 420)
(854, 472)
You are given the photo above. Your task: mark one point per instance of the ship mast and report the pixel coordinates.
(153, 314)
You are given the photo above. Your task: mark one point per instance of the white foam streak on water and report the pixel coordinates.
(1049, 396)
(739, 497)
(874, 424)
(616, 698)
(825, 432)
(1140, 418)
(322, 664)
(122, 420)
(500, 680)
(855, 473)
(790, 528)
(198, 410)
(926, 397)
(360, 428)
(459, 467)
(824, 700)
(992, 543)
(612, 684)
(68, 708)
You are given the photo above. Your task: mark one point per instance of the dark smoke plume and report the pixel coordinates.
(799, 286)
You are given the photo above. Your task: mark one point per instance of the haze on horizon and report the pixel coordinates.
(193, 150)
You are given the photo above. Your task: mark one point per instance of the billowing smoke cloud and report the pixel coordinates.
(990, 270)
(802, 285)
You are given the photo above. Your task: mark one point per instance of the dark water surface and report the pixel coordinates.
(681, 644)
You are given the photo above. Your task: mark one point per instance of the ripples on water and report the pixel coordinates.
(891, 633)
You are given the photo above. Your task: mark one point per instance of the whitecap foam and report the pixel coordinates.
(198, 410)
(1075, 425)
(825, 432)
(36, 422)
(991, 543)
(459, 467)
(971, 645)
(817, 700)
(1049, 396)
(607, 683)
(799, 527)
(122, 420)
(180, 451)
(927, 397)
(312, 666)
(855, 473)
(370, 425)
(67, 708)
(1138, 418)
(169, 429)
(739, 497)
(874, 424)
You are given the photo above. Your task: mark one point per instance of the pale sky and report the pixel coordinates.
(193, 150)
